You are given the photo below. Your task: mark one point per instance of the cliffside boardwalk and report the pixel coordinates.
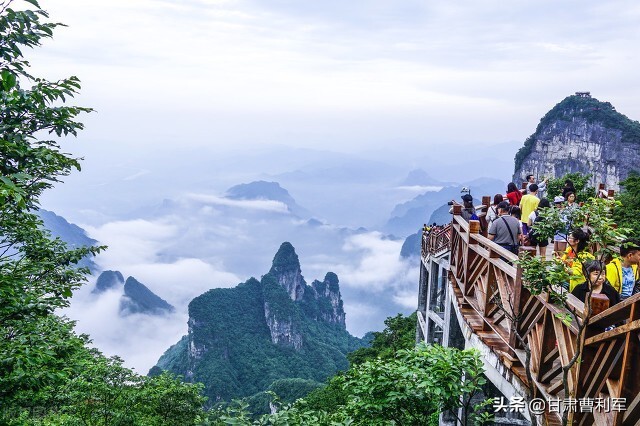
(469, 293)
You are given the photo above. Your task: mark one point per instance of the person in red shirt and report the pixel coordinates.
(513, 194)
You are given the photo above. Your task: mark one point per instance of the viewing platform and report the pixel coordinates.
(471, 295)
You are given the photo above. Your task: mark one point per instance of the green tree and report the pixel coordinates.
(399, 333)
(580, 182)
(627, 212)
(411, 389)
(48, 375)
(37, 274)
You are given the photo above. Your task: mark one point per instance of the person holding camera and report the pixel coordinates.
(468, 210)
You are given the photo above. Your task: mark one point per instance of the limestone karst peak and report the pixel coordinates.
(286, 270)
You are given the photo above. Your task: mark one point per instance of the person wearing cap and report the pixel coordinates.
(622, 272)
(505, 230)
(467, 209)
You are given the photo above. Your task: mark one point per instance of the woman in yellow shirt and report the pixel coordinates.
(576, 254)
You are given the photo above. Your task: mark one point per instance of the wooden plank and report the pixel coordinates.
(612, 334)
(632, 414)
(616, 313)
(630, 373)
(595, 379)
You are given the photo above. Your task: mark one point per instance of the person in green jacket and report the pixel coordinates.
(622, 272)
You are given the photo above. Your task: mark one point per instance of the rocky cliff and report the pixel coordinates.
(242, 339)
(581, 134)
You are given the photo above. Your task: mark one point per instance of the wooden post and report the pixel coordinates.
(524, 185)
(611, 193)
(601, 187)
(474, 228)
(486, 201)
(457, 209)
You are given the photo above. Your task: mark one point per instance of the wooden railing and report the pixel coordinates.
(436, 240)
(507, 317)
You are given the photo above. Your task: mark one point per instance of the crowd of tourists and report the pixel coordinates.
(511, 221)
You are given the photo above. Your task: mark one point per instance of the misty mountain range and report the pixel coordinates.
(200, 240)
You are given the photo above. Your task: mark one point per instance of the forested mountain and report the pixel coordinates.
(242, 339)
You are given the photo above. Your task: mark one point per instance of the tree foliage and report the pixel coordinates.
(48, 375)
(580, 182)
(399, 334)
(411, 389)
(628, 212)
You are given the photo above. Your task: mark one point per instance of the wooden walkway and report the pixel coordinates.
(508, 318)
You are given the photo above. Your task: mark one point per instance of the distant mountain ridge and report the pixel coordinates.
(70, 233)
(262, 190)
(409, 216)
(136, 298)
(242, 339)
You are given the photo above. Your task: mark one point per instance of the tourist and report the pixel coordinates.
(516, 212)
(575, 255)
(536, 240)
(528, 204)
(596, 283)
(622, 272)
(571, 201)
(542, 186)
(468, 210)
(568, 187)
(505, 230)
(492, 213)
(513, 194)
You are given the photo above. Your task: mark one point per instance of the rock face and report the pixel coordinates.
(327, 292)
(581, 134)
(242, 339)
(286, 270)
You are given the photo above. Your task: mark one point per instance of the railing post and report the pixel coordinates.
(457, 209)
(474, 228)
(486, 201)
(611, 193)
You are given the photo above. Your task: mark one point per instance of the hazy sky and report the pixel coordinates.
(359, 75)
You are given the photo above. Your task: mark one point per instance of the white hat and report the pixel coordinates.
(558, 199)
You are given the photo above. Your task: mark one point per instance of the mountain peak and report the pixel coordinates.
(286, 270)
(108, 280)
(263, 190)
(139, 299)
(581, 134)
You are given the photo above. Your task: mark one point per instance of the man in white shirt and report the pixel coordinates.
(542, 186)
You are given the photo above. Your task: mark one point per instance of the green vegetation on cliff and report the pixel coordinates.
(241, 340)
(629, 197)
(590, 109)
